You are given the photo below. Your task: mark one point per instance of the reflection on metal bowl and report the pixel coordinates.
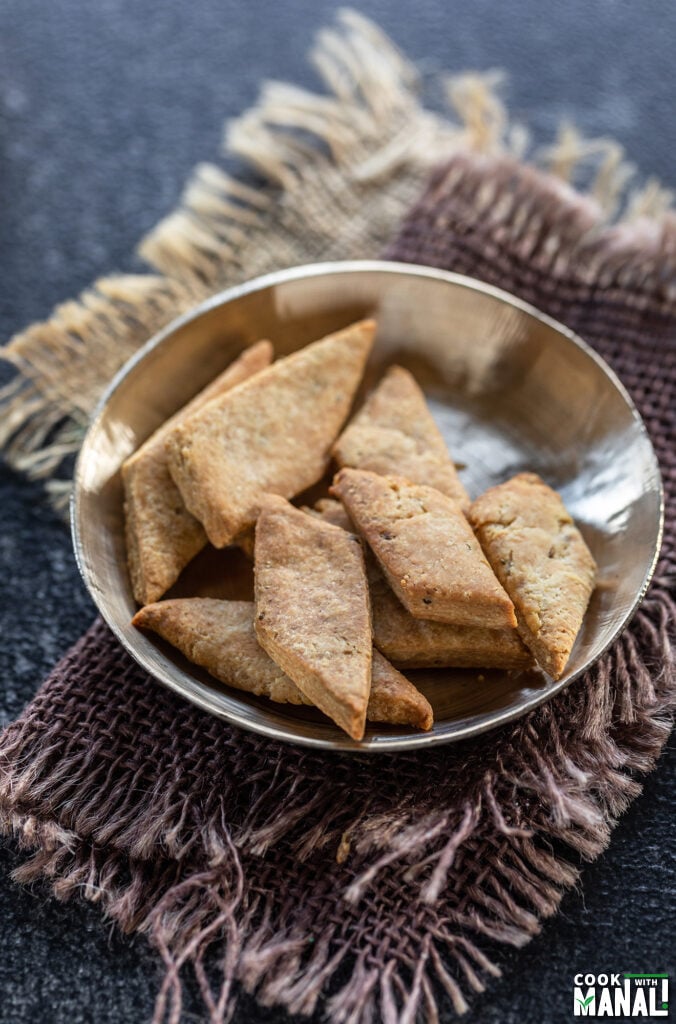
(511, 390)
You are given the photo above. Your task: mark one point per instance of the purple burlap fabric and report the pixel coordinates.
(373, 888)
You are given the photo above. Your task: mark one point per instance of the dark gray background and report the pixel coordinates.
(104, 108)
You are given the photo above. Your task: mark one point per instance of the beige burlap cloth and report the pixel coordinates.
(368, 889)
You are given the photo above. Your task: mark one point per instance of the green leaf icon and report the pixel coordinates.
(585, 1002)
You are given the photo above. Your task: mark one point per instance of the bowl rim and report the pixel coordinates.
(199, 693)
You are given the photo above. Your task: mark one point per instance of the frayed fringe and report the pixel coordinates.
(338, 172)
(543, 222)
(621, 691)
(64, 364)
(281, 962)
(482, 873)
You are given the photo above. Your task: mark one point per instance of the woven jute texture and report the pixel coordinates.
(370, 889)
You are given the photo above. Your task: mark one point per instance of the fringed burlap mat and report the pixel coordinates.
(374, 888)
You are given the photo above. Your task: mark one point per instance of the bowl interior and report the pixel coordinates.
(510, 390)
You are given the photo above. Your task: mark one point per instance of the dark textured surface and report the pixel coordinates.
(104, 108)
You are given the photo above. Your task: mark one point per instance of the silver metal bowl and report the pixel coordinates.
(511, 390)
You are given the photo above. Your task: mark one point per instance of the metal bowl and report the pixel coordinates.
(511, 390)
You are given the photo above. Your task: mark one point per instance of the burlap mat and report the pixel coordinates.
(384, 886)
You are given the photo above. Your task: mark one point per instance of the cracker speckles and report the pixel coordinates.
(394, 432)
(426, 550)
(542, 560)
(312, 609)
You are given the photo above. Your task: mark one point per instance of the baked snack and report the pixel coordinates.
(394, 432)
(312, 609)
(426, 549)
(541, 559)
(394, 699)
(418, 643)
(272, 435)
(162, 536)
(334, 619)
(220, 636)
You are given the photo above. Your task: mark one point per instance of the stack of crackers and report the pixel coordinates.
(394, 569)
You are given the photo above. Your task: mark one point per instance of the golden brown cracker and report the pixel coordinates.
(418, 643)
(271, 435)
(542, 561)
(162, 536)
(312, 609)
(394, 433)
(426, 549)
(220, 637)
